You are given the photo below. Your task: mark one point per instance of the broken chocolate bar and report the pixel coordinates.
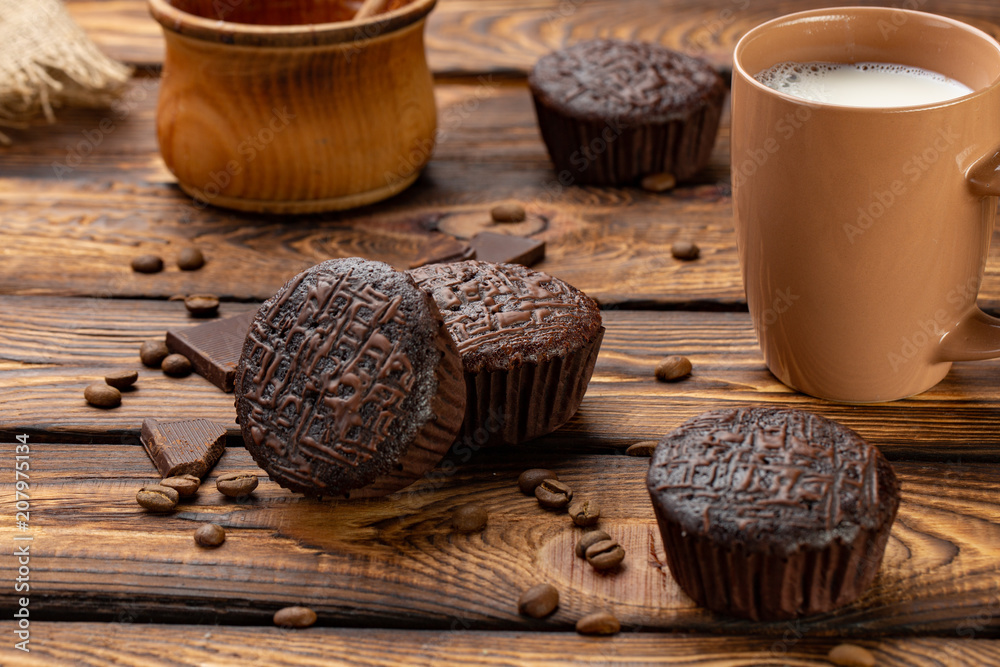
(214, 348)
(187, 447)
(507, 249)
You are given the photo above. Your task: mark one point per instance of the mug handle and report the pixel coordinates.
(977, 335)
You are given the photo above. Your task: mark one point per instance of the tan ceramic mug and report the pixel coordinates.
(293, 106)
(863, 232)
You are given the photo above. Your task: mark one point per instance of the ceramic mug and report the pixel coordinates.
(290, 106)
(863, 232)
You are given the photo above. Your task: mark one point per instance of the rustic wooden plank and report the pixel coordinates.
(475, 36)
(394, 562)
(94, 644)
(51, 348)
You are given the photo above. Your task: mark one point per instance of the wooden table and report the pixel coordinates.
(110, 584)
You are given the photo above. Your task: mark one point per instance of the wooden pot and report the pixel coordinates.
(291, 106)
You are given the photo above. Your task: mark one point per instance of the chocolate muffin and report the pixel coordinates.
(528, 343)
(348, 382)
(770, 513)
(613, 111)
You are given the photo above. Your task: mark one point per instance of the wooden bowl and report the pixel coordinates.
(291, 106)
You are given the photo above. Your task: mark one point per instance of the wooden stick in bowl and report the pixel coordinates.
(370, 8)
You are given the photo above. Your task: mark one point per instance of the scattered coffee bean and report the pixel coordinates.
(176, 297)
(553, 494)
(176, 365)
(530, 479)
(851, 655)
(673, 368)
(644, 448)
(236, 484)
(102, 395)
(605, 554)
(184, 485)
(658, 182)
(157, 498)
(508, 213)
(210, 535)
(538, 601)
(190, 259)
(593, 537)
(584, 511)
(122, 379)
(153, 352)
(598, 623)
(147, 264)
(202, 305)
(684, 250)
(469, 518)
(294, 617)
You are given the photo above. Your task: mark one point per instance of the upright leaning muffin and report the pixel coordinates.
(771, 513)
(349, 382)
(612, 111)
(528, 344)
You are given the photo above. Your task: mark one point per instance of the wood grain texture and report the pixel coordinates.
(94, 644)
(475, 36)
(51, 348)
(395, 562)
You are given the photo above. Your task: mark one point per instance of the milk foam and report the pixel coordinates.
(862, 84)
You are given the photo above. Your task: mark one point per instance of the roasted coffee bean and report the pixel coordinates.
(190, 259)
(644, 448)
(685, 250)
(202, 305)
(294, 617)
(236, 484)
(553, 494)
(538, 601)
(530, 479)
(508, 213)
(605, 555)
(102, 395)
(153, 352)
(584, 511)
(147, 264)
(851, 655)
(185, 485)
(658, 182)
(122, 379)
(470, 518)
(176, 365)
(673, 368)
(593, 537)
(157, 498)
(598, 623)
(210, 535)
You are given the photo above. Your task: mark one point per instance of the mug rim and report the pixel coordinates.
(795, 17)
(175, 20)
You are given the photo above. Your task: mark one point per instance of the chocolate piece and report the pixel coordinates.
(349, 382)
(528, 343)
(771, 513)
(508, 249)
(612, 111)
(213, 348)
(442, 248)
(187, 447)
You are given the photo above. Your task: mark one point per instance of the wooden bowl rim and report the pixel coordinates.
(174, 20)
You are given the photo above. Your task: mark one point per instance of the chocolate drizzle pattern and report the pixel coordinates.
(763, 474)
(504, 315)
(337, 375)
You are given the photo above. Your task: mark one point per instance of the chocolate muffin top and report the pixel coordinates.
(628, 81)
(772, 479)
(505, 315)
(338, 376)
